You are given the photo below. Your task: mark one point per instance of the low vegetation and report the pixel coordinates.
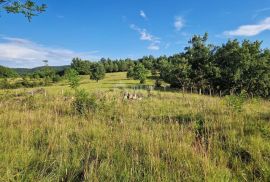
(96, 135)
(207, 119)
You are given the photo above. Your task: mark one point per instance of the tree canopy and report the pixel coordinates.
(231, 68)
(28, 8)
(97, 71)
(138, 72)
(7, 72)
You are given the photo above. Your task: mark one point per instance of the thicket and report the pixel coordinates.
(231, 68)
(43, 77)
(7, 72)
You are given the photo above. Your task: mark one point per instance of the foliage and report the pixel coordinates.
(130, 72)
(7, 72)
(224, 70)
(236, 102)
(230, 69)
(97, 72)
(28, 8)
(178, 73)
(166, 137)
(83, 102)
(227, 69)
(138, 72)
(30, 71)
(73, 78)
(81, 66)
(116, 65)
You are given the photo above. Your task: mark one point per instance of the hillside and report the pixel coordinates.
(166, 136)
(23, 71)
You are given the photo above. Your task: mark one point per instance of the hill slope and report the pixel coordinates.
(23, 71)
(166, 136)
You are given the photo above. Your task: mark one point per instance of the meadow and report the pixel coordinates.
(166, 136)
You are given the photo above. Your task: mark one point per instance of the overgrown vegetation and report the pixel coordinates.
(202, 68)
(96, 135)
(7, 73)
(231, 68)
(42, 77)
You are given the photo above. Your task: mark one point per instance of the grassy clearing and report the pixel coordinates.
(165, 137)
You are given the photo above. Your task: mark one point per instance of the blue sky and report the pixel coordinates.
(92, 29)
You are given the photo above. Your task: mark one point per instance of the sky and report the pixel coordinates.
(92, 29)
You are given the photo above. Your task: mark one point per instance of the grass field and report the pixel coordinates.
(166, 136)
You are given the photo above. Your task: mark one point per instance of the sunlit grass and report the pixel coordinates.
(155, 139)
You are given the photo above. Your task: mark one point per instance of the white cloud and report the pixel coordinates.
(143, 15)
(250, 30)
(143, 32)
(179, 23)
(153, 47)
(145, 36)
(25, 53)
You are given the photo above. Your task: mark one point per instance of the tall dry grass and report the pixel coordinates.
(168, 136)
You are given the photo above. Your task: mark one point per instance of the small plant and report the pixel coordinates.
(83, 103)
(73, 78)
(199, 128)
(236, 102)
(29, 103)
(80, 102)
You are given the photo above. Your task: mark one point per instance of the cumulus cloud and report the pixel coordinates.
(25, 53)
(143, 15)
(250, 30)
(179, 23)
(145, 36)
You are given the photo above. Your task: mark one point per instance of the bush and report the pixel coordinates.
(56, 78)
(236, 102)
(73, 78)
(83, 103)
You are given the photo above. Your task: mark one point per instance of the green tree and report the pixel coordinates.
(7, 72)
(140, 73)
(198, 55)
(147, 62)
(177, 72)
(130, 72)
(73, 78)
(81, 66)
(97, 72)
(28, 8)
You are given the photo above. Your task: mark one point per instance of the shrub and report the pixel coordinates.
(73, 78)
(84, 103)
(236, 102)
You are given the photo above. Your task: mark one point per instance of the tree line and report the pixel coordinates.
(44, 76)
(232, 68)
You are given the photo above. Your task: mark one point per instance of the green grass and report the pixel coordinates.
(168, 136)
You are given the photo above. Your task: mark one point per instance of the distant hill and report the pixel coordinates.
(23, 71)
